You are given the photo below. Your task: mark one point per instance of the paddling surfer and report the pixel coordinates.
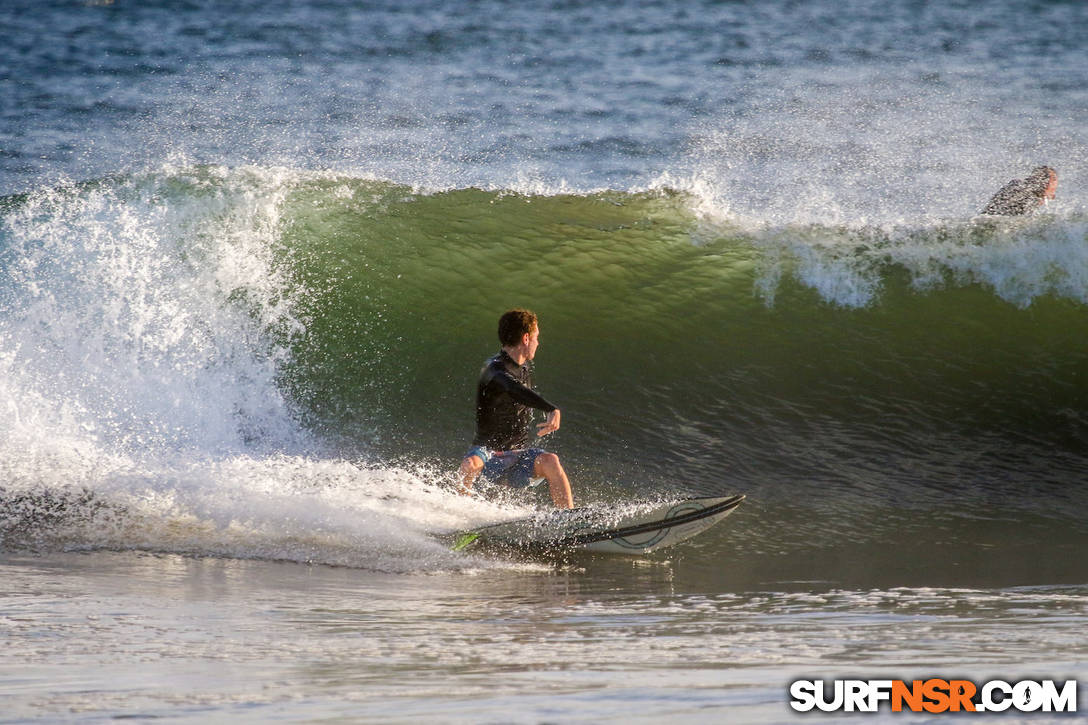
(505, 400)
(1021, 196)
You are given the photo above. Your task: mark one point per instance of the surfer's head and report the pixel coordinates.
(519, 328)
(1043, 182)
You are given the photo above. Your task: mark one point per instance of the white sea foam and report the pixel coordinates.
(144, 327)
(146, 318)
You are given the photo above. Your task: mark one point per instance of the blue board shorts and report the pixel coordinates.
(512, 468)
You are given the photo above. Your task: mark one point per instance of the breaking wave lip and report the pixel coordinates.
(847, 263)
(149, 313)
(1019, 261)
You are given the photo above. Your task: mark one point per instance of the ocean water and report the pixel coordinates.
(252, 257)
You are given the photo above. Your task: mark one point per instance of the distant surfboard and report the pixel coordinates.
(626, 530)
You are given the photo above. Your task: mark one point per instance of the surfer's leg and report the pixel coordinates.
(548, 466)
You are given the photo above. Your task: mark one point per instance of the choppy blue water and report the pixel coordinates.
(801, 107)
(246, 253)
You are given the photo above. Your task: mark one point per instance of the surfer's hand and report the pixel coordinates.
(550, 425)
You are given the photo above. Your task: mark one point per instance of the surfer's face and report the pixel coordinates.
(532, 341)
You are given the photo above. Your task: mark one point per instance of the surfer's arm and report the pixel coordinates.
(527, 396)
(522, 394)
(1012, 199)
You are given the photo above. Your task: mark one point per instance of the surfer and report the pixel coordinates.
(1021, 196)
(505, 400)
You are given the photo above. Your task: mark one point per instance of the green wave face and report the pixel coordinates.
(686, 350)
(409, 289)
(856, 383)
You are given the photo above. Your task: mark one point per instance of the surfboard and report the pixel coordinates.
(626, 529)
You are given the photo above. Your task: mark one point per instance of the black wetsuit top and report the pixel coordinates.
(1014, 198)
(504, 403)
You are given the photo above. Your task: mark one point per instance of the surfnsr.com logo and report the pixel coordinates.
(934, 696)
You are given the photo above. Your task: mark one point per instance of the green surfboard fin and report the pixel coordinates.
(465, 540)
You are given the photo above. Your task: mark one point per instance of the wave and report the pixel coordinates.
(273, 362)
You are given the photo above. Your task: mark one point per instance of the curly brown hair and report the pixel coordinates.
(514, 324)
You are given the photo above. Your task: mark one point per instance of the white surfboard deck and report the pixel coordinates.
(628, 529)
